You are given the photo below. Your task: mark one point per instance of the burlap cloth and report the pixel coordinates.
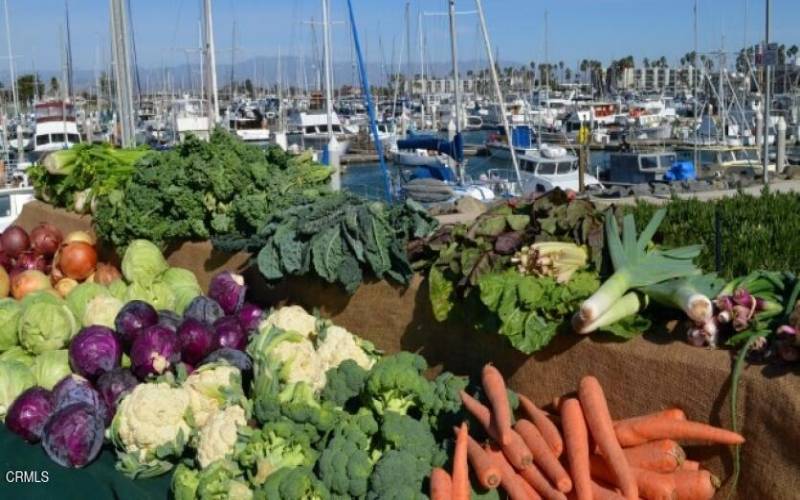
(649, 373)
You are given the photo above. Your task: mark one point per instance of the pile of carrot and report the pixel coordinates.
(587, 456)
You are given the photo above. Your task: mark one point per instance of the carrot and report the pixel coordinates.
(663, 455)
(485, 469)
(516, 487)
(517, 452)
(576, 438)
(441, 485)
(600, 492)
(642, 430)
(651, 485)
(672, 413)
(537, 481)
(695, 485)
(543, 423)
(497, 394)
(461, 487)
(689, 465)
(598, 419)
(543, 455)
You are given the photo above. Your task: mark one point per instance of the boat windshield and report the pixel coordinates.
(648, 162)
(565, 167)
(726, 156)
(747, 154)
(546, 168)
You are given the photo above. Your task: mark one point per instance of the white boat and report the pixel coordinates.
(550, 168)
(418, 157)
(521, 138)
(56, 127)
(189, 117)
(311, 131)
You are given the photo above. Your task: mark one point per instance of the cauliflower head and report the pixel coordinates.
(210, 388)
(218, 436)
(150, 425)
(338, 345)
(300, 363)
(293, 319)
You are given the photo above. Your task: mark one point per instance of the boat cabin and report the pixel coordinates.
(639, 167)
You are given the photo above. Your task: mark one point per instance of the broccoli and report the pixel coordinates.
(344, 383)
(297, 402)
(398, 475)
(283, 443)
(298, 483)
(222, 480)
(403, 433)
(346, 463)
(396, 384)
(447, 402)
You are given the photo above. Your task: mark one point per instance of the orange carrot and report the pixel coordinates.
(576, 439)
(496, 393)
(672, 413)
(517, 452)
(441, 485)
(516, 487)
(695, 485)
(485, 469)
(651, 485)
(663, 455)
(461, 487)
(537, 481)
(642, 430)
(543, 455)
(598, 419)
(600, 492)
(542, 422)
(689, 465)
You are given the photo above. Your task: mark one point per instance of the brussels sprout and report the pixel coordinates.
(50, 367)
(29, 412)
(143, 262)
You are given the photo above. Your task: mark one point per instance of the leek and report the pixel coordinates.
(634, 265)
(690, 294)
(631, 303)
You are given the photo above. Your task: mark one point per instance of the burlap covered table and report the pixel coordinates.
(645, 374)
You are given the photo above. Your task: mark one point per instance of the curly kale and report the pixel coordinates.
(297, 483)
(344, 383)
(396, 383)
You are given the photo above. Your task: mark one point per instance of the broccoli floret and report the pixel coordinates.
(398, 475)
(447, 401)
(403, 433)
(283, 443)
(297, 483)
(346, 463)
(396, 384)
(344, 383)
(297, 402)
(222, 480)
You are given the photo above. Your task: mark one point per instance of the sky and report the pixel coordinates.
(577, 29)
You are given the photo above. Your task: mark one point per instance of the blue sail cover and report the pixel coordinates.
(454, 149)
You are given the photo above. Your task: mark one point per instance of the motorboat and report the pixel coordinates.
(639, 167)
(552, 167)
(189, 118)
(56, 127)
(522, 138)
(310, 130)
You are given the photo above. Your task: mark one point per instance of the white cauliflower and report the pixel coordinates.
(293, 319)
(152, 417)
(218, 436)
(300, 362)
(339, 345)
(210, 388)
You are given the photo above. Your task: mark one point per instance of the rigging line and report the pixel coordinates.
(134, 60)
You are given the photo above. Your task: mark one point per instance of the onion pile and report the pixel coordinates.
(46, 260)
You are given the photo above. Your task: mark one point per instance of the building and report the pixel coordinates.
(656, 79)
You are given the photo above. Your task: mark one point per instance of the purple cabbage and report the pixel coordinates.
(170, 319)
(196, 340)
(94, 351)
(154, 351)
(229, 333)
(115, 384)
(250, 316)
(134, 316)
(28, 413)
(73, 435)
(228, 289)
(204, 309)
(76, 389)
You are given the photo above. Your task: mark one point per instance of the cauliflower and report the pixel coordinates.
(300, 362)
(149, 426)
(218, 435)
(339, 345)
(293, 319)
(210, 388)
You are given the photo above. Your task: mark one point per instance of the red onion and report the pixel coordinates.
(29, 260)
(45, 239)
(106, 273)
(77, 260)
(15, 241)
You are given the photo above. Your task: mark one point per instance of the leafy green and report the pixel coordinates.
(532, 310)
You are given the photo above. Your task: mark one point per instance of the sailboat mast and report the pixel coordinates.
(211, 64)
(70, 90)
(694, 92)
(424, 92)
(326, 45)
(456, 80)
(120, 38)
(767, 91)
(11, 69)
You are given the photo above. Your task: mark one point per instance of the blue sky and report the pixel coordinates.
(600, 29)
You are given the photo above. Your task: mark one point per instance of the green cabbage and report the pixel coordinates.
(36, 297)
(50, 367)
(81, 295)
(117, 288)
(18, 354)
(15, 378)
(156, 294)
(102, 310)
(45, 327)
(184, 286)
(143, 262)
(10, 311)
